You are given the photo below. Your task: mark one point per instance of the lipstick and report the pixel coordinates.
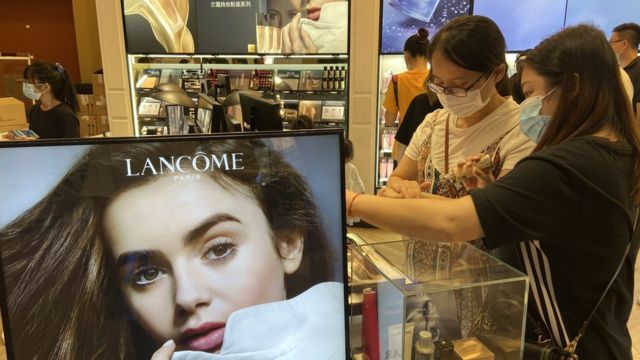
(207, 337)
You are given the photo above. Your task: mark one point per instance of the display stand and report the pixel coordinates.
(311, 85)
(470, 303)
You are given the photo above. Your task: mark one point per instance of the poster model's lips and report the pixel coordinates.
(313, 13)
(206, 337)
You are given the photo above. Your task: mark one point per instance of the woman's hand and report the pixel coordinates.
(474, 177)
(295, 40)
(407, 189)
(165, 352)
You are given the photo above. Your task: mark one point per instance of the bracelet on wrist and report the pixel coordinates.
(351, 204)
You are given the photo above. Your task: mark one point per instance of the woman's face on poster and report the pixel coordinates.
(190, 253)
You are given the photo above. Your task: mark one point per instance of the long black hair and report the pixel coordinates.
(57, 77)
(474, 43)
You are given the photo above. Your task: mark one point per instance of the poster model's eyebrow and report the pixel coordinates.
(137, 256)
(207, 224)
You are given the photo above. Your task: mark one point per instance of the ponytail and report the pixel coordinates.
(57, 77)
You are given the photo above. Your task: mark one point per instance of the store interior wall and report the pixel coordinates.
(363, 87)
(87, 38)
(64, 31)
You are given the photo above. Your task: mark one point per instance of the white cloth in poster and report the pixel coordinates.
(329, 33)
(309, 326)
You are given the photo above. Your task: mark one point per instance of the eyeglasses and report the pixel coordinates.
(455, 91)
(615, 41)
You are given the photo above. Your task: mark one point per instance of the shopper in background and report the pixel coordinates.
(54, 114)
(302, 122)
(421, 106)
(352, 179)
(405, 86)
(570, 206)
(514, 81)
(625, 40)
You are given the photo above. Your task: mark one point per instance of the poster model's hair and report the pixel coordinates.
(60, 281)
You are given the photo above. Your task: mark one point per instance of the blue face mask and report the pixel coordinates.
(531, 122)
(30, 91)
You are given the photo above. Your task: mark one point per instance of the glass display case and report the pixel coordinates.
(425, 300)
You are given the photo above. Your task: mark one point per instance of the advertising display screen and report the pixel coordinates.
(403, 18)
(230, 246)
(603, 14)
(236, 27)
(526, 23)
(515, 19)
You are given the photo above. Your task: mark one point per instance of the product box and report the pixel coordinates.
(457, 293)
(102, 124)
(12, 114)
(97, 80)
(100, 105)
(86, 104)
(87, 125)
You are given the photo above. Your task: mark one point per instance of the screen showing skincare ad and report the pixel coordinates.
(514, 19)
(402, 19)
(236, 27)
(232, 248)
(160, 27)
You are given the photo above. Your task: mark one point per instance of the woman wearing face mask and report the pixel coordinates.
(468, 73)
(54, 114)
(570, 207)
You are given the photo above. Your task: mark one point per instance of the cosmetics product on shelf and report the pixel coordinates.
(287, 80)
(311, 80)
(423, 349)
(443, 350)
(471, 349)
(333, 111)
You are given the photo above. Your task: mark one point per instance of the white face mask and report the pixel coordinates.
(466, 105)
(29, 90)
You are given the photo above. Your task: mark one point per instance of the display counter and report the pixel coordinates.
(413, 299)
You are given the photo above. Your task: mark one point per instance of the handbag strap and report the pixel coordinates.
(571, 348)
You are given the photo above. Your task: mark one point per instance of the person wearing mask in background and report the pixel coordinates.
(514, 81)
(421, 106)
(570, 207)
(625, 40)
(405, 86)
(54, 114)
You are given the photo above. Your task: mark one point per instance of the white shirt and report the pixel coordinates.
(352, 178)
(467, 142)
(310, 326)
